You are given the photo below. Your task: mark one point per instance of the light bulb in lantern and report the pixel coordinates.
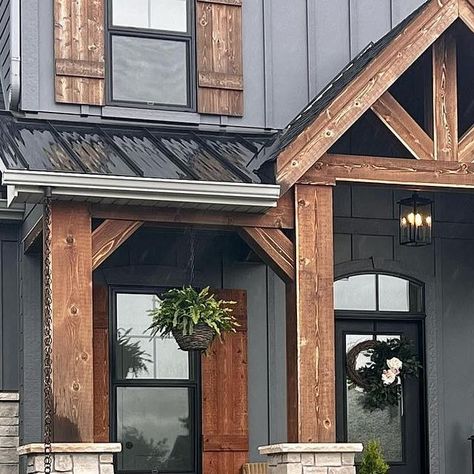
(411, 218)
(418, 220)
(428, 221)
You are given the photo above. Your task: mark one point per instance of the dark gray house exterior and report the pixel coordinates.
(161, 127)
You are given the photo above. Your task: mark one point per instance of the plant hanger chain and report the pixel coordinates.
(47, 336)
(192, 256)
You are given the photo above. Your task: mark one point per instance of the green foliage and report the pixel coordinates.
(379, 396)
(183, 308)
(372, 460)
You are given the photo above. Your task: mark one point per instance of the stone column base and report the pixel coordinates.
(72, 458)
(311, 458)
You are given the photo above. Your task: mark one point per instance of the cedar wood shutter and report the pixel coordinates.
(101, 363)
(219, 57)
(79, 51)
(224, 396)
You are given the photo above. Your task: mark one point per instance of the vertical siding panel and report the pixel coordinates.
(332, 39)
(31, 376)
(370, 20)
(10, 320)
(2, 322)
(253, 56)
(5, 49)
(402, 8)
(289, 60)
(268, 61)
(276, 358)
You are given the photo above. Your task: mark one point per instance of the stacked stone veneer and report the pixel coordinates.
(70, 458)
(311, 458)
(9, 406)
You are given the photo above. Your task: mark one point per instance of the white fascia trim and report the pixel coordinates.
(29, 186)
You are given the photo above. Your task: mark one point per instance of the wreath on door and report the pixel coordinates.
(381, 379)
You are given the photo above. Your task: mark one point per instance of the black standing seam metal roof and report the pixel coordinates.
(119, 150)
(282, 139)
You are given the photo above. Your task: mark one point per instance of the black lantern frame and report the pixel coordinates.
(416, 221)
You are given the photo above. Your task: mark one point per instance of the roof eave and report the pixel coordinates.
(29, 186)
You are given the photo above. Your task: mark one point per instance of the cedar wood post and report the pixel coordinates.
(72, 358)
(310, 329)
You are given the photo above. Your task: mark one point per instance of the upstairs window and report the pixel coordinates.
(151, 56)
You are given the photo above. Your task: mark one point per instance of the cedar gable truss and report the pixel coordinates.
(438, 156)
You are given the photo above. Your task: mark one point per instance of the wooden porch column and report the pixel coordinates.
(71, 263)
(310, 330)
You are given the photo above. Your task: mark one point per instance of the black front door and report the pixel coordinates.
(399, 429)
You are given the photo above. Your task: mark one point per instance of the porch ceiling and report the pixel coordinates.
(144, 165)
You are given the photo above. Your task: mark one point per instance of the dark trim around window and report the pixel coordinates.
(188, 37)
(193, 383)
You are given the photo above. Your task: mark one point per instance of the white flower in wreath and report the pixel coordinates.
(389, 377)
(395, 364)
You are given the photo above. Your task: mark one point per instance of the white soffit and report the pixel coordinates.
(29, 186)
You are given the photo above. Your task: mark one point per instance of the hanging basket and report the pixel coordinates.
(199, 340)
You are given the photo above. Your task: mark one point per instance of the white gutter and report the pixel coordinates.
(29, 186)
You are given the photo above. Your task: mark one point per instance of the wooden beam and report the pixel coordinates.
(396, 171)
(274, 248)
(109, 236)
(364, 90)
(315, 333)
(466, 13)
(281, 217)
(466, 147)
(404, 127)
(445, 99)
(71, 257)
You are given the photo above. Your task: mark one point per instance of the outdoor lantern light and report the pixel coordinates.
(416, 221)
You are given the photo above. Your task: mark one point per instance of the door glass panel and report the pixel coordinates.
(385, 425)
(356, 293)
(169, 15)
(155, 428)
(137, 356)
(394, 294)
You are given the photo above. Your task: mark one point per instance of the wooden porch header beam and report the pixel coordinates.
(396, 171)
(280, 217)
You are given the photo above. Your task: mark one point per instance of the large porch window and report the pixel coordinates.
(155, 392)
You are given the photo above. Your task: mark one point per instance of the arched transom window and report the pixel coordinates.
(378, 292)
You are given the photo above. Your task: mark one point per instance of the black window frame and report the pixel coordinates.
(193, 383)
(189, 38)
(377, 312)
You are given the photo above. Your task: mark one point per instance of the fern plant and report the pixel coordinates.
(182, 309)
(372, 460)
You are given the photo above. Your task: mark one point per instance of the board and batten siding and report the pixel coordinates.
(289, 55)
(5, 48)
